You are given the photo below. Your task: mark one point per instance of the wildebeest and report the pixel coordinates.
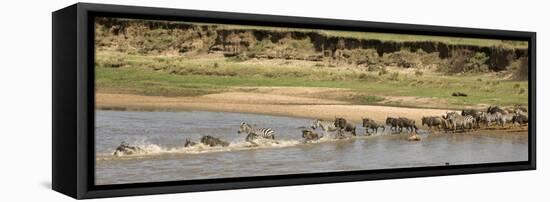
(397, 124)
(213, 142)
(371, 124)
(344, 126)
(519, 108)
(393, 123)
(125, 149)
(455, 121)
(432, 121)
(189, 143)
(309, 136)
(471, 112)
(408, 124)
(459, 94)
(520, 119)
(495, 109)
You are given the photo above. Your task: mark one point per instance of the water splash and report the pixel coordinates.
(147, 149)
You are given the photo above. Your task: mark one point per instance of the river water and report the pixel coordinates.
(162, 135)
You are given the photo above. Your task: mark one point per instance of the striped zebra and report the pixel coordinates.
(454, 121)
(507, 118)
(266, 133)
(326, 126)
(489, 118)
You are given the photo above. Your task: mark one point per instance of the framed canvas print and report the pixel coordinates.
(156, 100)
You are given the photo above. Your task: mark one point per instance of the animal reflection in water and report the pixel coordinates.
(467, 120)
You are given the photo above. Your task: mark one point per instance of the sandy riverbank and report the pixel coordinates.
(259, 103)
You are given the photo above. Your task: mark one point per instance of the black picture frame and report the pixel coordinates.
(73, 101)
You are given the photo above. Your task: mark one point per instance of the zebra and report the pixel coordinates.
(454, 121)
(266, 133)
(507, 118)
(326, 126)
(489, 118)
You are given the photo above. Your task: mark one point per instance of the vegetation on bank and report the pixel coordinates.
(362, 49)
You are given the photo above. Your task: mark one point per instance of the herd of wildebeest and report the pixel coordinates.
(340, 128)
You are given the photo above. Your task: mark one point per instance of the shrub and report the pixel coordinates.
(476, 63)
(382, 71)
(402, 58)
(521, 91)
(362, 56)
(463, 60)
(521, 68)
(112, 62)
(362, 76)
(418, 73)
(394, 76)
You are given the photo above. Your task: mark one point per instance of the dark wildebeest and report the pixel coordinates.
(408, 124)
(309, 136)
(125, 149)
(520, 119)
(432, 121)
(393, 123)
(459, 94)
(520, 108)
(371, 124)
(471, 112)
(213, 142)
(495, 109)
(189, 143)
(344, 126)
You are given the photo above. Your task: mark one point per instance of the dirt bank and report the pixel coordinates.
(259, 103)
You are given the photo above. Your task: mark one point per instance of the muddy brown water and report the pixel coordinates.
(162, 134)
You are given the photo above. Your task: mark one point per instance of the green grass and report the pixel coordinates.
(176, 76)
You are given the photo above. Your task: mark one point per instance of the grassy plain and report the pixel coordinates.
(171, 76)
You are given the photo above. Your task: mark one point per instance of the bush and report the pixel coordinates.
(402, 58)
(394, 76)
(463, 60)
(382, 71)
(476, 63)
(362, 56)
(521, 91)
(521, 70)
(112, 62)
(362, 76)
(418, 73)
